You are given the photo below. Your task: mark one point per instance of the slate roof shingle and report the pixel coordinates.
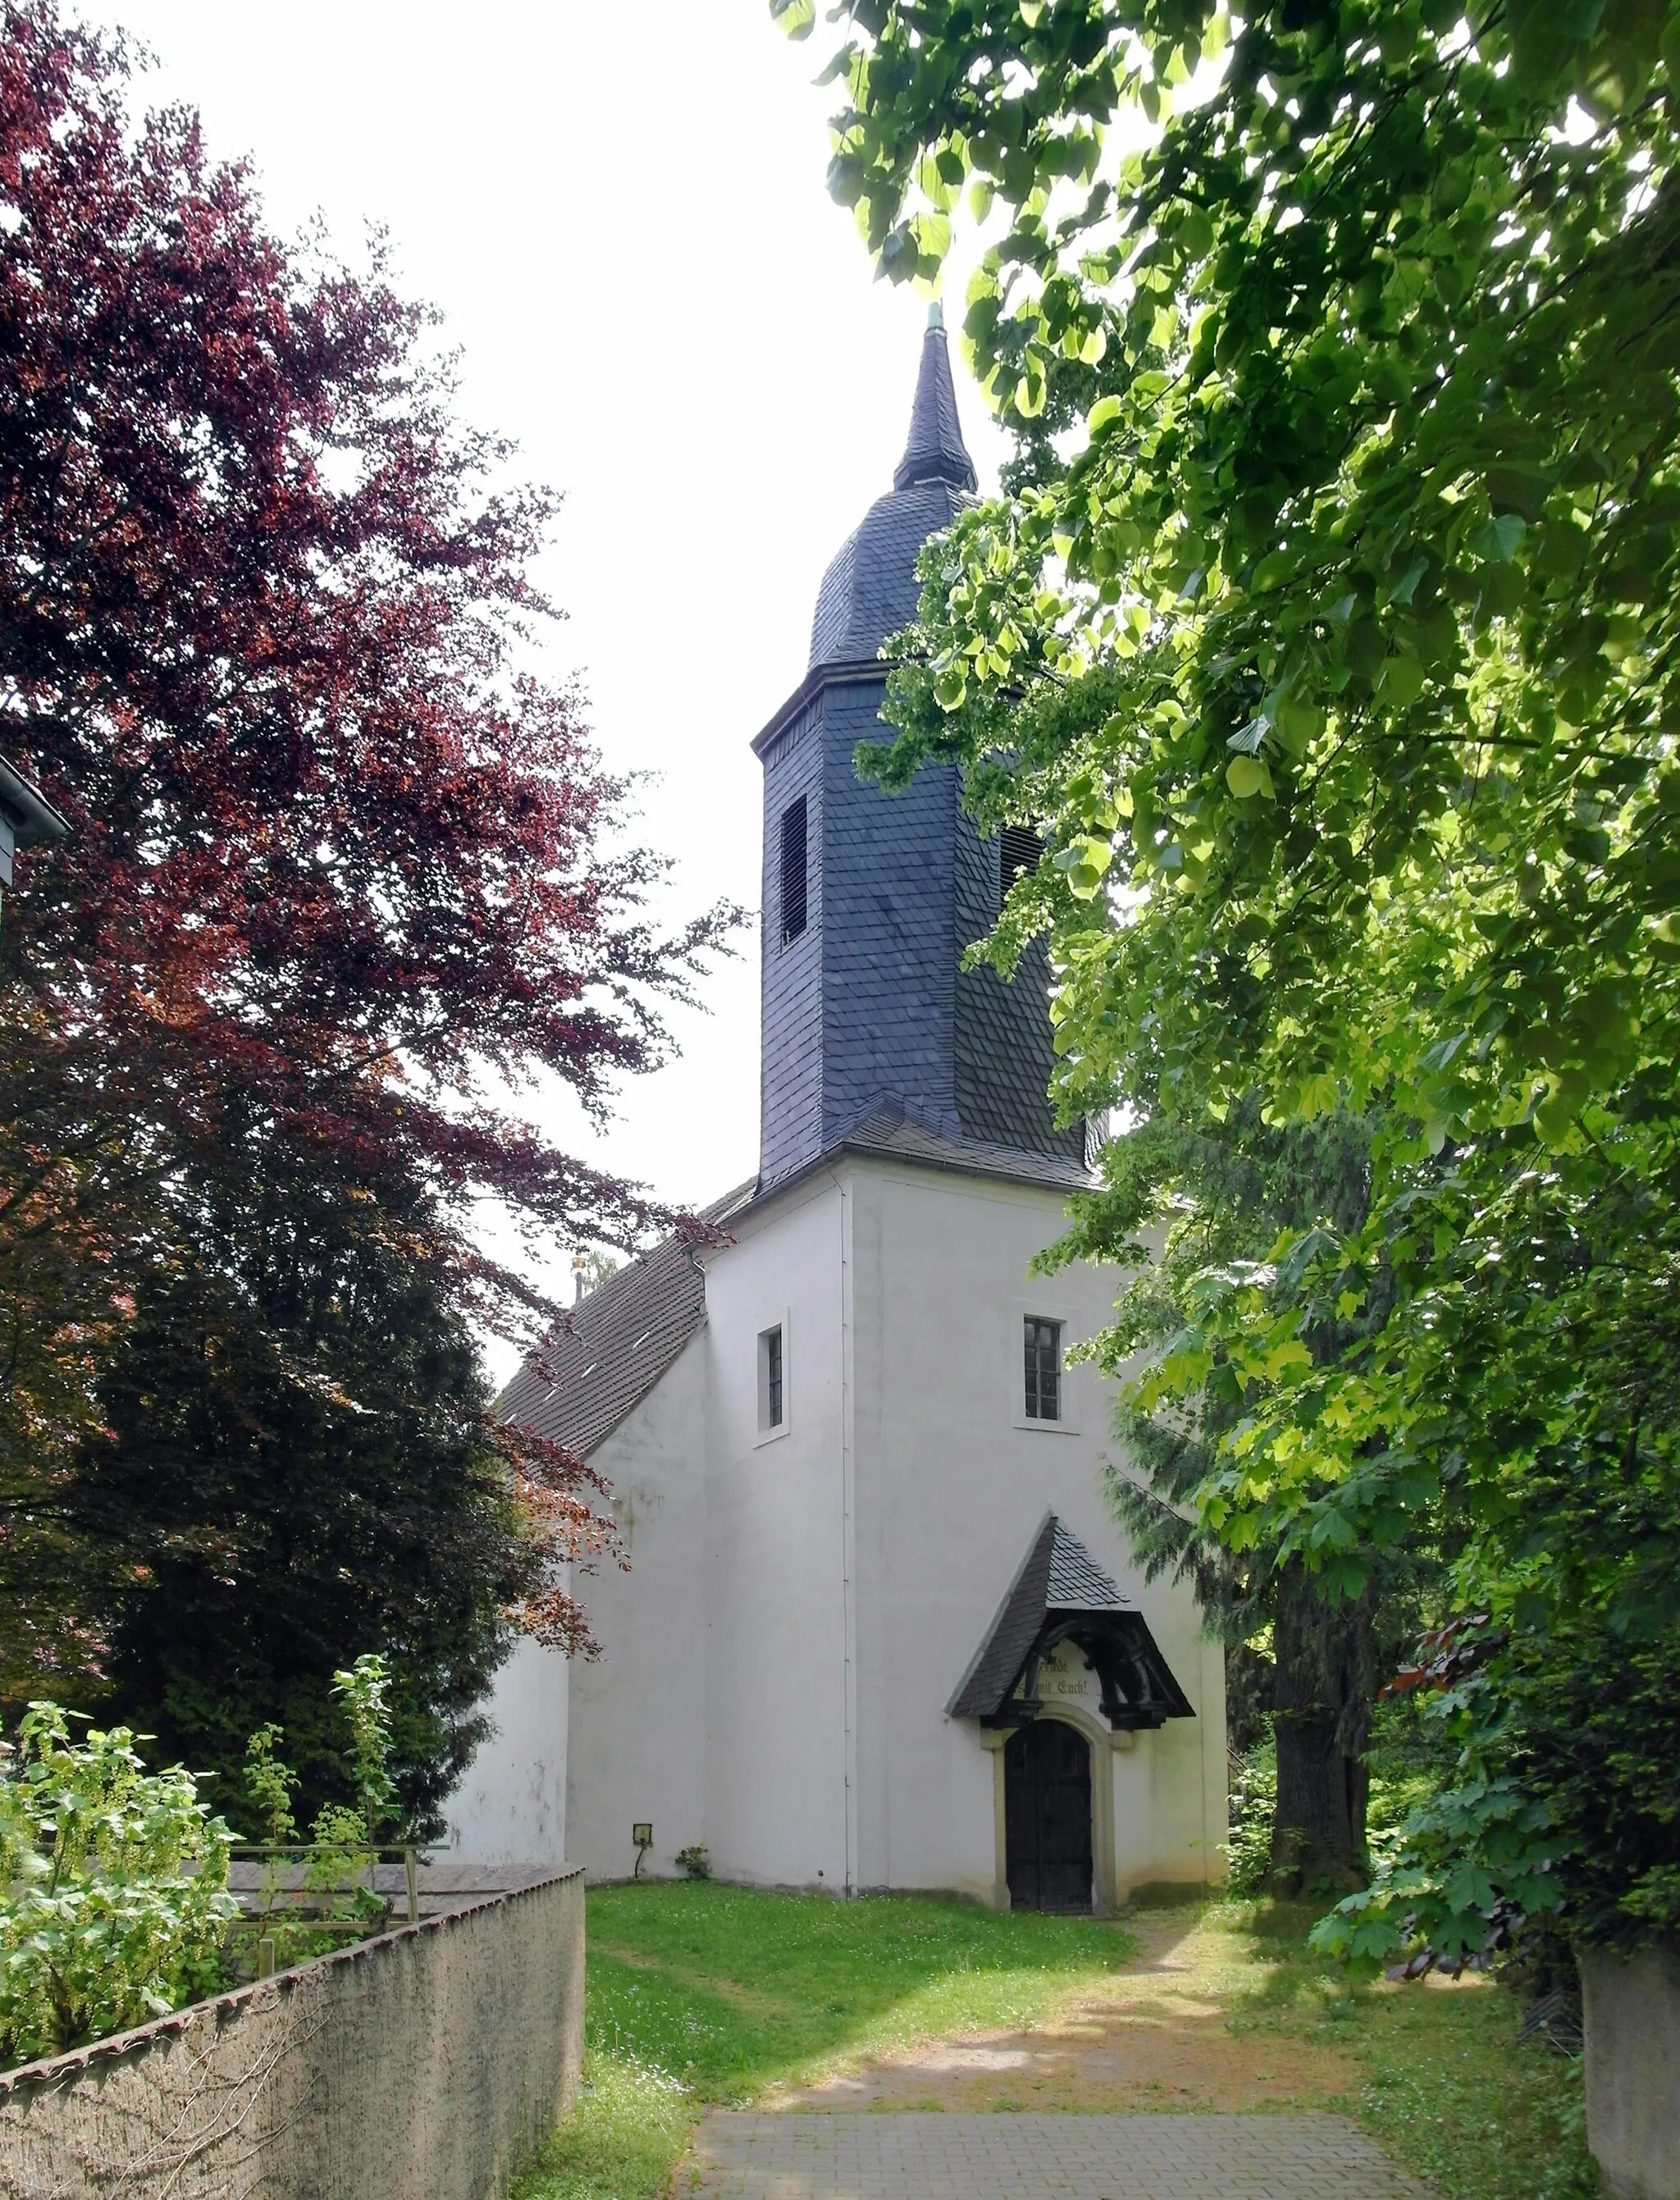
(623, 1338)
(934, 450)
(1077, 1583)
(870, 589)
(1014, 1626)
(1059, 1581)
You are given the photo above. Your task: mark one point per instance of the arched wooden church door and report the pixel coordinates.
(1047, 1816)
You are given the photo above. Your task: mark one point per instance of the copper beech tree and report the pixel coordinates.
(340, 872)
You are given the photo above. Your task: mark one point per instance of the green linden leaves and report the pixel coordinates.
(952, 687)
(1498, 538)
(1401, 681)
(1085, 865)
(1248, 775)
(1351, 558)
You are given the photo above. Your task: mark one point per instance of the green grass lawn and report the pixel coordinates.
(702, 1993)
(1447, 2087)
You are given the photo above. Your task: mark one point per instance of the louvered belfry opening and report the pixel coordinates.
(793, 869)
(1019, 850)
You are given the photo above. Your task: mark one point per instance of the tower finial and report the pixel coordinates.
(935, 450)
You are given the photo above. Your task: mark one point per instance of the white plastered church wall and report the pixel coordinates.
(777, 1795)
(774, 1665)
(510, 1805)
(950, 1485)
(638, 1732)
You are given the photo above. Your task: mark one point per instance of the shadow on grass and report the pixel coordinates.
(708, 1994)
(731, 1990)
(1446, 2084)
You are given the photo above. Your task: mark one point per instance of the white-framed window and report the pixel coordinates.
(1041, 1392)
(1046, 1391)
(773, 1380)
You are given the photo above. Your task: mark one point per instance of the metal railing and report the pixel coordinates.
(303, 1902)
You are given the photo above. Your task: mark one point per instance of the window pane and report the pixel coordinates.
(1044, 1369)
(773, 1345)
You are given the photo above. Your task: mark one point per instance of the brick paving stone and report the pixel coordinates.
(911, 2156)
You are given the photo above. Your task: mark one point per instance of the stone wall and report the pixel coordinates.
(1631, 2005)
(428, 2064)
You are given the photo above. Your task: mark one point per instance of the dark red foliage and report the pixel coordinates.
(256, 602)
(1450, 1653)
(337, 863)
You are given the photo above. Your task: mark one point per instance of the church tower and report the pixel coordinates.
(870, 898)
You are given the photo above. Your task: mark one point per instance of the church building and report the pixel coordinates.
(878, 1628)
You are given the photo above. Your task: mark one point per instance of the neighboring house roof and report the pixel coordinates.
(1059, 1593)
(27, 819)
(34, 821)
(870, 590)
(621, 1340)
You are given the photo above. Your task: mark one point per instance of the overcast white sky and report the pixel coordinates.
(620, 211)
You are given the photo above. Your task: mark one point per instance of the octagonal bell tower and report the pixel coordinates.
(870, 898)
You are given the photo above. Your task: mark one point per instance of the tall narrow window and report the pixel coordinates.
(1044, 1369)
(792, 871)
(772, 1380)
(1019, 849)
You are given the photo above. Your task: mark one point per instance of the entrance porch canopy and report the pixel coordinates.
(1060, 1594)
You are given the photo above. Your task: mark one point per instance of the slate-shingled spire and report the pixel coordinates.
(870, 591)
(935, 450)
(874, 1034)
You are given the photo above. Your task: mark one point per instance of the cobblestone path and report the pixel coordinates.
(911, 2156)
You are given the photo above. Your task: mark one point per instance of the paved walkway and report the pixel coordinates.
(907, 2156)
(1058, 2156)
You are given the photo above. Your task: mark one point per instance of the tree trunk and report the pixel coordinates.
(1317, 1831)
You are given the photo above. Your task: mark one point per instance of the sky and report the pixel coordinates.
(620, 211)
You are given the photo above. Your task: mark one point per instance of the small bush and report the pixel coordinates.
(114, 1897)
(1253, 1806)
(1404, 1771)
(695, 1863)
(338, 1890)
